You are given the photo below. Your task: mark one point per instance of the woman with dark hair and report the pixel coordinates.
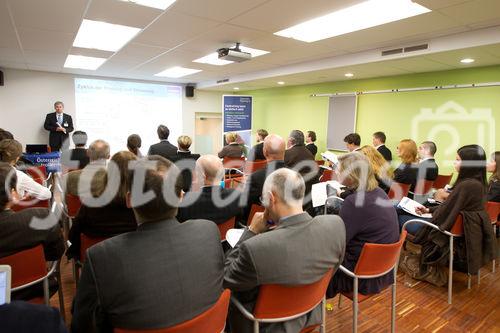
(468, 199)
(111, 219)
(494, 184)
(133, 144)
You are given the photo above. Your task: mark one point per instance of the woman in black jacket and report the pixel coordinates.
(494, 184)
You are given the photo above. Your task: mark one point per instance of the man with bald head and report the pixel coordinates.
(212, 202)
(274, 152)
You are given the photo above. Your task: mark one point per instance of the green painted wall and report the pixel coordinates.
(282, 109)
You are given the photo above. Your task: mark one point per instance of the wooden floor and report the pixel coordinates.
(422, 308)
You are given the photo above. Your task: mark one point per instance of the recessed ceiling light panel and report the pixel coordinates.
(177, 72)
(103, 36)
(158, 4)
(82, 62)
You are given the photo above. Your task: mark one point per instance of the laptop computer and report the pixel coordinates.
(5, 276)
(36, 149)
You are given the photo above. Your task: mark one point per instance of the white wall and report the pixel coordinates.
(28, 96)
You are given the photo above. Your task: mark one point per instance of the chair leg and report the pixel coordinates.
(255, 326)
(340, 301)
(355, 307)
(393, 306)
(479, 276)
(60, 294)
(450, 272)
(322, 328)
(469, 278)
(494, 264)
(46, 292)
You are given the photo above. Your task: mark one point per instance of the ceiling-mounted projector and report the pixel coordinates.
(233, 54)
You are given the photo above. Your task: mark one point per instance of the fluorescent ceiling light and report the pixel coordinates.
(159, 4)
(213, 58)
(176, 72)
(348, 75)
(467, 61)
(82, 62)
(103, 36)
(364, 15)
(281, 83)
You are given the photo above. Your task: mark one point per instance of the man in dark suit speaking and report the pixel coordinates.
(59, 125)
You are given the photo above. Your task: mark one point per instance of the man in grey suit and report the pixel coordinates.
(298, 250)
(162, 274)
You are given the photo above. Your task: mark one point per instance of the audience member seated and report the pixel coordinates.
(78, 157)
(379, 143)
(5, 134)
(163, 274)
(274, 151)
(406, 173)
(296, 151)
(98, 156)
(23, 317)
(427, 168)
(213, 203)
(367, 220)
(163, 148)
(134, 143)
(256, 153)
(310, 140)
(494, 183)
(17, 232)
(111, 218)
(232, 149)
(380, 167)
(352, 142)
(467, 198)
(189, 161)
(10, 152)
(278, 255)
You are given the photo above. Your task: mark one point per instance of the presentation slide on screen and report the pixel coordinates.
(112, 110)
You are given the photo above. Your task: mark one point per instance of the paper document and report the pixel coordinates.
(319, 192)
(409, 206)
(329, 156)
(233, 236)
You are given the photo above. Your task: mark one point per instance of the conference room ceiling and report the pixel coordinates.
(38, 35)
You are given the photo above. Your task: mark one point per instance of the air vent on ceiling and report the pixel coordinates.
(223, 81)
(405, 49)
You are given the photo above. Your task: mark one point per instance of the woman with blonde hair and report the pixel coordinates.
(380, 167)
(233, 148)
(406, 173)
(368, 217)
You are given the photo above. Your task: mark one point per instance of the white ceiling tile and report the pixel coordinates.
(7, 33)
(139, 52)
(494, 50)
(39, 58)
(36, 39)
(297, 54)
(12, 64)
(90, 52)
(45, 68)
(56, 15)
(120, 12)
(480, 55)
(274, 43)
(418, 65)
(217, 10)
(438, 4)
(10, 55)
(170, 59)
(474, 11)
(172, 29)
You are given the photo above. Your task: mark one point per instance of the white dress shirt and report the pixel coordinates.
(26, 185)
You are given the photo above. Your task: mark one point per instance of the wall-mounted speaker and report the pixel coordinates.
(189, 91)
(1, 78)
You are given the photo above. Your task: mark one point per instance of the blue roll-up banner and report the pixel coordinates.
(237, 115)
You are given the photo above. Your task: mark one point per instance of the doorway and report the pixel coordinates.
(208, 133)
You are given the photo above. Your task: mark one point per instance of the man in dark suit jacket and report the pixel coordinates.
(274, 151)
(310, 140)
(277, 256)
(163, 148)
(26, 229)
(256, 153)
(22, 317)
(427, 168)
(213, 202)
(59, 126)
(150, 278)
(379, 143)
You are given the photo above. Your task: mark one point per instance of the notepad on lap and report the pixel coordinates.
(319, 193)
(409, 206)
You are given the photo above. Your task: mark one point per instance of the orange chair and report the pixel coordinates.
(320, 162)
(73, 205)
(29, 268)
(326, 176)
(85, 243)
(422, 190)
(38, 173)
(493, 209)
(254, 209)
(398, 191)
(375, 261)
(30, 203)
(211, 321)
(442, 180)
(457, 230)
(251, 167)
(279, 303)
(224, 227)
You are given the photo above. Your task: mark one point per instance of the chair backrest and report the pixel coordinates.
(376, 259)
(326, 176)
(233, 162)
(254, 209)
(442, 180)
(423, 187)
(282, 301)
(30, 203)
(27, 266)
(73, 204)
(320, 162)
(493, 209)
(224, 227)
(251, 167)
(86, 242)
(398, 191)
(38, 173)
(211, 321)
(458, 226)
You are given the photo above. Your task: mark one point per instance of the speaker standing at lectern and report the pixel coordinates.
(59, 126)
